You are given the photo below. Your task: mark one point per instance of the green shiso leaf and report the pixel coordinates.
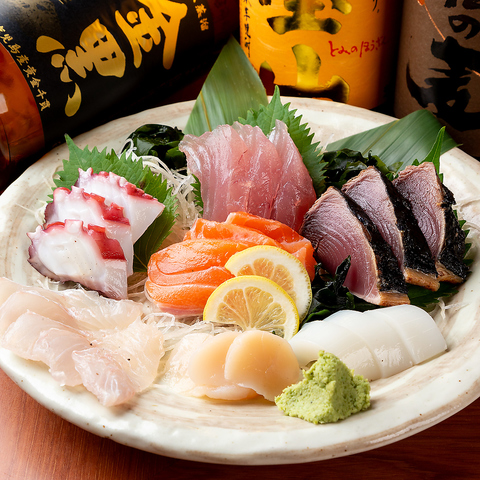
(265, 116)
(231, 88)
(398, 143)
(134, 172)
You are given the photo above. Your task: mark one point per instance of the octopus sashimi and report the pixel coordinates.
(296, 193)
(71, 251)
(140, 208)
(76, 204)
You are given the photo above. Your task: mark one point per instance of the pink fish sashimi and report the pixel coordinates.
(69, 251)
(238, 169)
(140, 208)
(76, 204)
(296, 193)
(114, 363)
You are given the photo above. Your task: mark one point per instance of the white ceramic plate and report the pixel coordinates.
(256, 432)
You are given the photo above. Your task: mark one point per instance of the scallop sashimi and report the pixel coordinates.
(207, 369)
(140, 208)
(263, 362)
(76, 204)
(69, 251)
(376, 343)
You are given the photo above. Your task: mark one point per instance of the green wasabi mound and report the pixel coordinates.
(329, 392)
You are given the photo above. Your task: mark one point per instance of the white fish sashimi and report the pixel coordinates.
(76, 204)
(140, 208)
(94, 312)
(392, 339)
(121, 364)
(35, 337)
(86, 339)
(25, 300)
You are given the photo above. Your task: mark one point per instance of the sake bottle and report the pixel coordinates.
(66, 66)
(342, 50)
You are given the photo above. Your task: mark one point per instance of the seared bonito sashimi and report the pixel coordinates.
(240, 169)
(392, 215)
(71, 251)
(432, 206)
(338, 228)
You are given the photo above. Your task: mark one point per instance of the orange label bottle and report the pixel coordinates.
(66, 65)
(343, 50)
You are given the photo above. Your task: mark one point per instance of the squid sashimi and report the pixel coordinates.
(69, 251)
(84, 338)
(76, 204)
(289, 239)
(259, 175)
(296, 193)
(140, 208)
(376, 344)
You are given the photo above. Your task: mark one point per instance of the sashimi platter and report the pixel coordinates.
(269, 300)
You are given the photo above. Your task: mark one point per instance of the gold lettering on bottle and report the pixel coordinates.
(143, 30)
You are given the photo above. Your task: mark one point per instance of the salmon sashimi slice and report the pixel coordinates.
(209, 229)
(194, 255)
(287, 237)
(183, 275)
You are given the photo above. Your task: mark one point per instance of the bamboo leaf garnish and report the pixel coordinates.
(231, 88)
(400, 142)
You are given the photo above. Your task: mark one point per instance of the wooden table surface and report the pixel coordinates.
(36, 444)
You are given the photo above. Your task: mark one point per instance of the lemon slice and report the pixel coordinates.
(253, 302)
(279, 266)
